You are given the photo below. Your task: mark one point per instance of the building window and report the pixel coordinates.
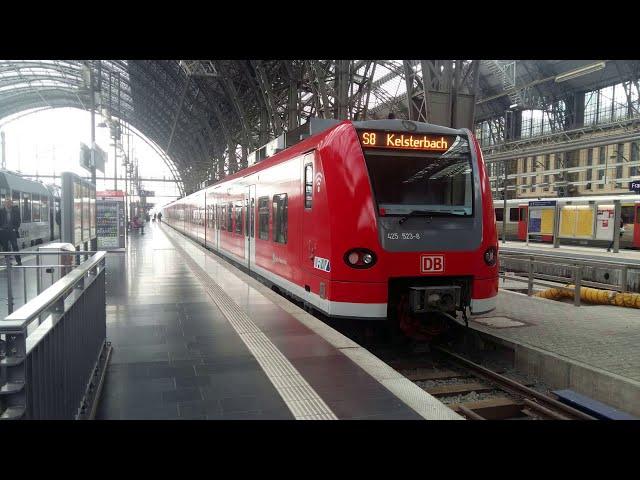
(280, 210)
(600, 177)
(619, 161)
(239, 218)
(308, 185)
(546, 183)
(547, 162)
(263, 218)
(633, 170)
(602, 155)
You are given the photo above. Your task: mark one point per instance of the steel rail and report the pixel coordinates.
(514, 386)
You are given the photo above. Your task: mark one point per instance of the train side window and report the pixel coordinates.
(263, 218)
(230, 217)
(239, 218)
(308, 185)
(35, 207)
(514, 214)
(223, 217)
(252, 215)
(3, 195)
(26, 207)
(246, 219)
(45, 208)
(280, 213)
(627, 214)
(16, 196)
(499, 214)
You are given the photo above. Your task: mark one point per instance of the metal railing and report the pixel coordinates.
(20, 279)
(53, 349)
(577, 268)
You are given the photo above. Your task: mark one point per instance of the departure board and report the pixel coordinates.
(405, 141)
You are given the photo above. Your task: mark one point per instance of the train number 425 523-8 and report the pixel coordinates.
(403, 236)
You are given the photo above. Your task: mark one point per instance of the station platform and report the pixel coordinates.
(195, 338)
(592, 349)
(573, 251)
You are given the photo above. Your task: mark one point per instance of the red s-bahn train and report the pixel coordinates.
(380, 219)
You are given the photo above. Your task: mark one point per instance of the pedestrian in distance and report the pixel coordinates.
(9, 224)
(154, 216)
(160, 217)
(139, 224)
(621, 233)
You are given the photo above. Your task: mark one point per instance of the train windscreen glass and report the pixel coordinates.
(419, 174)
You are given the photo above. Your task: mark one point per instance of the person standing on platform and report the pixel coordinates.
(9, 224)
(621, 233)
(160, 217)
(155, 215)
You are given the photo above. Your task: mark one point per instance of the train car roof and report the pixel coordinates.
(311, 142)
(12, 181)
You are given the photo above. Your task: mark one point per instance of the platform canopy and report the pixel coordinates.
(207, 115)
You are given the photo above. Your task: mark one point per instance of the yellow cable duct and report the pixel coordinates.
(594, 295)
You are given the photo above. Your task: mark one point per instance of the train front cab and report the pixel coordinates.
(458, 234)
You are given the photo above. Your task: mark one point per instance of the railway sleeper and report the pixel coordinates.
(497, 408)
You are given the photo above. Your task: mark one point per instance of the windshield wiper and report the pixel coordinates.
(430, 213)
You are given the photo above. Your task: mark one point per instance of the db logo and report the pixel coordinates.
(432, 263)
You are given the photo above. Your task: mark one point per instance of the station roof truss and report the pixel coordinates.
(205, 116)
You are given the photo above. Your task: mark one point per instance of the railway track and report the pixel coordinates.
(479, 393)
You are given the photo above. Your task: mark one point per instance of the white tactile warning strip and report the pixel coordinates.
(301, 399)
(411, 394)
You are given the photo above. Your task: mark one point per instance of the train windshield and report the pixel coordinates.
(428, 183)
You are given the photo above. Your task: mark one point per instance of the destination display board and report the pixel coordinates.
(405, 141)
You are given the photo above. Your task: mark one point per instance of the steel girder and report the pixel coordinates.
(199, 111)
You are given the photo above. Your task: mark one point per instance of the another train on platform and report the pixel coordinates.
(39, 207)
(380, 219)
(587, 220)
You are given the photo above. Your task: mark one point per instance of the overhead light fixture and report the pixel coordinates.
(579, 72)
(515, 105)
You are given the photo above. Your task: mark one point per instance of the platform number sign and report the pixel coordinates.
(432, 264)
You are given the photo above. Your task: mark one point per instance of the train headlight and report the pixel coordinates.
(491, 256)
(360, 258)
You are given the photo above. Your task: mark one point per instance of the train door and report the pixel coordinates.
(522, 222)
(250, 225)
(309, 250)
(636, 227)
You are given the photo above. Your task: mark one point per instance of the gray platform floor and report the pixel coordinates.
(176, 355)
(602, 336)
